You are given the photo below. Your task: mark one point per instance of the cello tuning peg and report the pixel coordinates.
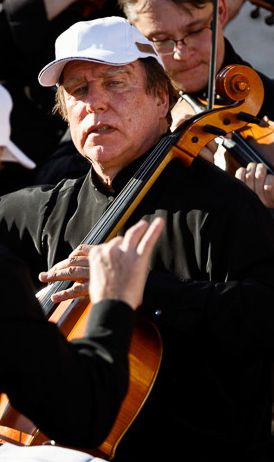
(249, 118)
(214, 130)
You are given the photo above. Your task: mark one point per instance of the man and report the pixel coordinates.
(181, 32)
(73, 390)
(211, 273)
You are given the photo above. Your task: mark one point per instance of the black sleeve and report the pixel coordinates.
(233, 302)
(27, 33)
(70, 390)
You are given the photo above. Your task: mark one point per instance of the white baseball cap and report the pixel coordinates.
(111, 40)
(10, 151)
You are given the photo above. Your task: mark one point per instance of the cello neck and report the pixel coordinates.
(241, 150)
(119, 211)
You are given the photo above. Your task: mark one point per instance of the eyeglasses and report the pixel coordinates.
(168, 47)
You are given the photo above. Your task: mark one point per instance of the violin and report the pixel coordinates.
(244, 88)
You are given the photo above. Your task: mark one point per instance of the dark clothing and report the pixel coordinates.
(72, 391)
(211, 279)
(65, 162)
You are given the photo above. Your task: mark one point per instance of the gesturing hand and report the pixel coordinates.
(118, 268)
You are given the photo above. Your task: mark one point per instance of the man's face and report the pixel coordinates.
(188, 64)
(112, 118)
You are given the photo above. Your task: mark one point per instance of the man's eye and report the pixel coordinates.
(114, 83)
(195, 32)
(81, 90)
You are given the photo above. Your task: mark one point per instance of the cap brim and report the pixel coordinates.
(50, 74)
(13, 154)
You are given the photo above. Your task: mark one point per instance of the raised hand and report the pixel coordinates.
(118, 269)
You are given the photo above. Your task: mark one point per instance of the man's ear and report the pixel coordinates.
(162, 100)
(223, 12)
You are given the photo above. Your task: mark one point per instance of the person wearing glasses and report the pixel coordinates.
(181, 33)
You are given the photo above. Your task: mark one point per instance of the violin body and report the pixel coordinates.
(243, 87)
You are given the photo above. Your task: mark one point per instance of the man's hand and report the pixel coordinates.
(74, 268)
(134, 248)
(255, 176)
(118, 269)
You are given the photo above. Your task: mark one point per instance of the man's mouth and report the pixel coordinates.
(99, 129)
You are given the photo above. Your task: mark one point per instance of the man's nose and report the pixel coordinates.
(96, 100)
(180, 51)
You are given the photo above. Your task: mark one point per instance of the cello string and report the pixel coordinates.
(105, 224)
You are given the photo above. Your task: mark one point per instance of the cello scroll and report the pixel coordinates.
(243, 89)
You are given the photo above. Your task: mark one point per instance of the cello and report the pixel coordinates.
(71, 317)
(252, 143)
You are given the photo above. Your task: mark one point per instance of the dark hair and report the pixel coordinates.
(125, 5)
(156, 80)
